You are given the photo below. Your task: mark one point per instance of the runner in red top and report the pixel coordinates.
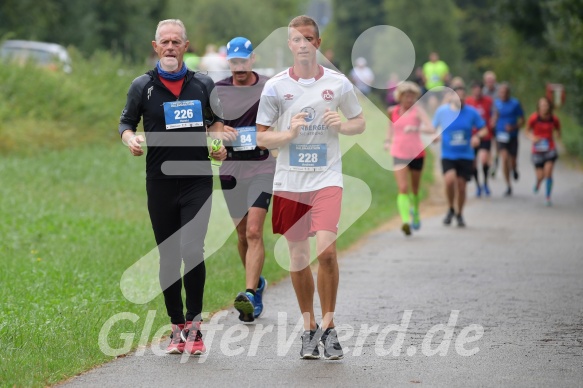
(540, 129)
(483, 105)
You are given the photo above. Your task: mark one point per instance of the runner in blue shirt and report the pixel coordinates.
(509, 117)
(457, 120)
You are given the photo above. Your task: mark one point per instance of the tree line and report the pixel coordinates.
(526, 42)
(126, 27)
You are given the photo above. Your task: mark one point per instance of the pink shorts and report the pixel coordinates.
(298, 216)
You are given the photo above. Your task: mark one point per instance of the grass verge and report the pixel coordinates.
(74, 220)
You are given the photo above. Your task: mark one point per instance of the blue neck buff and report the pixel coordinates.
(172, 76)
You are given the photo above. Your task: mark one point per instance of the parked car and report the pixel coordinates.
(50, 55)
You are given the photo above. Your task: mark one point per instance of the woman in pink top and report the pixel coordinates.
(406, 122)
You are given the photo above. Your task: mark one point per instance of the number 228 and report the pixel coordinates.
(308, 158)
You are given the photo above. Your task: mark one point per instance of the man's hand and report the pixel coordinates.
(296, 124)
(509, 127)
(229, 133)
(475, 141)
(220, 155)
(332, 120)
(133, 142)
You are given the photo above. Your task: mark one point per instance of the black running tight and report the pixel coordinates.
(180, 212)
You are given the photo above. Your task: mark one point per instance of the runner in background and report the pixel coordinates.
(435, 76)
(458, 121)
(509, 117)
(362, 76)
(490, 89)
(406, 122)
(483, 105)
(247, 174)
(540, 129)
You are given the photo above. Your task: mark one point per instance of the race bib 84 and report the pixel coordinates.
(246, 139)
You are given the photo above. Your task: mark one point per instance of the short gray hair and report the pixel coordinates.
(176, 22)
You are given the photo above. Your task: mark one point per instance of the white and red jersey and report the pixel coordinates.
(311, 161)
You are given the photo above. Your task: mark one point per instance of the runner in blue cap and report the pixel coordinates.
(247, 174)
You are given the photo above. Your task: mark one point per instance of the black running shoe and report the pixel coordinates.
(508, 192)
(406, 229)
(332, 348)
(310, 340)
(515, 174)
(448, 217)
(460, 221)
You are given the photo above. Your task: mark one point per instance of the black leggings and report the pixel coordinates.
(180, 211)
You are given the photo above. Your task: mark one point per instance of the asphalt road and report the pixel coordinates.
(508, 290)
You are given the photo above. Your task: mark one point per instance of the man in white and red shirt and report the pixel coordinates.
(298, 113)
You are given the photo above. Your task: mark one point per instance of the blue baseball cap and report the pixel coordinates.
(239, 47)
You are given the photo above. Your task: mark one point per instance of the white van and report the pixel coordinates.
(50, 55)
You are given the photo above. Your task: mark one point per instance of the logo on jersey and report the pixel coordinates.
(150, 92)
(288, 97)
(328, 95)
(311, 113)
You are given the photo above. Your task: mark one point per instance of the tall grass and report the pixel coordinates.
(43, 110)
(571, 135)
(74, 218)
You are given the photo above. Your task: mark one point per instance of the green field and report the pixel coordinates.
(74, 218)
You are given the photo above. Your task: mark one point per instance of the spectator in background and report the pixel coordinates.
(191, 59)
(391, 87)
(418, 79)
(362, 76)
(435, 76)
(330, 61)
(152, 58)
(215, 64)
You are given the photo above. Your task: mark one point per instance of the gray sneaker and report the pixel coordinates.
(310, 349)
(332, 348)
